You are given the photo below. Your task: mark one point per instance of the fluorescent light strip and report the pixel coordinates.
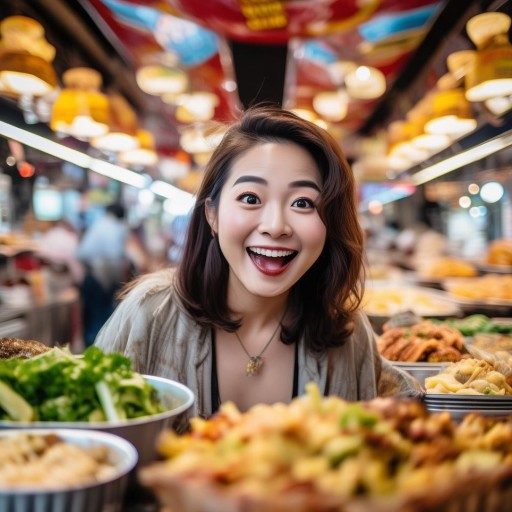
(163, 189)
(466, 157)
(118, 173)
(72, 155)
(45, 145)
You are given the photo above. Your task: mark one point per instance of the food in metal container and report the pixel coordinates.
(63, 470)
(423, 341)
(44, 460)
(323, 454)
(472, 377)
(57, 386)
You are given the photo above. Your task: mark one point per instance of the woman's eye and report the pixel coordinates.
(303, 203)
(249, 199)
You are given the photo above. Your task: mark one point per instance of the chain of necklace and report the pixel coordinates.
(256, 362)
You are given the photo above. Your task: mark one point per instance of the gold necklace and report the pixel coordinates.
(256, 362)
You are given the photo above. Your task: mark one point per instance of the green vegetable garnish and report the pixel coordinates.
(58, 386)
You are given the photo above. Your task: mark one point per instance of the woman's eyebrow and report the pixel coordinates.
(248, 178)
(293, 184)
(305, 183)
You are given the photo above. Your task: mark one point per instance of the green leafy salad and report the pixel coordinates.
(58, 386)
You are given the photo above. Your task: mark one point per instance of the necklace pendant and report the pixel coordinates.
(254, 365)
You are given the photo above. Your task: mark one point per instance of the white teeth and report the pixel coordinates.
(270, 253)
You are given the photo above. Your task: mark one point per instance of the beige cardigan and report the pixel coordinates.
(152, 328)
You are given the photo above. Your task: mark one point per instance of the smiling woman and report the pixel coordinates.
(267, 295)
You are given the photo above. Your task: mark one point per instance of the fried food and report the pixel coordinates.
(424, 341)
(24, 349)
(324, 454)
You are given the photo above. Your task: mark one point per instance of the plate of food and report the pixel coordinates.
(319, 454)
(422, 349)
(488, 293)
(498, 259)
(95, 391)
(63, 470)
(382, 302)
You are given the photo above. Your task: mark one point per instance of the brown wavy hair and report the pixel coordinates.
(323, 302)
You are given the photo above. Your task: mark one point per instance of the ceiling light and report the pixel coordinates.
(115, 142)
(123, 127)
(159, 80)
(461, 159)
(26, 57)
(490, 71)
(451, 114)
(331, 105)
(491, 192)
(464, 202)
(365, 83)
(304, 113)
(71, 155)
(81, 110)
(198, 140)
(431, 142)
(451, 125)
(196, 107)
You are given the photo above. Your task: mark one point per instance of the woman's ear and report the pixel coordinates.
(211, 215)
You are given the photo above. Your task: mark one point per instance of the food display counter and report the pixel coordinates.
(55, 320)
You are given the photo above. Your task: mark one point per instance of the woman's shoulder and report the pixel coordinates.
(160, 282)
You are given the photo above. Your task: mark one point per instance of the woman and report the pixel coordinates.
(267, 295)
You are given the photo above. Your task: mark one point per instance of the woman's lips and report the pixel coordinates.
(271, 265)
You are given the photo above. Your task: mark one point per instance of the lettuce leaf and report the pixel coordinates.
(62, 387)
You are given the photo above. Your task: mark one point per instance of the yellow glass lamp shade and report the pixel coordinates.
(81, 113)
(81, 110)
(25, 58)
(451, 114)
(23, 73)
(490, 73)
(123, 127)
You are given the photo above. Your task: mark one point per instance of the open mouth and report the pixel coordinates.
(269, 261)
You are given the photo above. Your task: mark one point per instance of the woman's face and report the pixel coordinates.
(267, 224)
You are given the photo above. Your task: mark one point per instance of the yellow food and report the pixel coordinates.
(489, 287)
(472, 377)
(322, 454)
(448, 267)
(500, 253)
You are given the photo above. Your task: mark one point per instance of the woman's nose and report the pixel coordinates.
(274, 222)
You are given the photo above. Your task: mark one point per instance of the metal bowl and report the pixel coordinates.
(101, 495)
(420, 371)
(141, 432)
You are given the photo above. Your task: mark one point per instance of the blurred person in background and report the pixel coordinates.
(58, 246)
(102, 251)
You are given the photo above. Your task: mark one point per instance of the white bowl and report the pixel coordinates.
(141, 432)
(102, 495)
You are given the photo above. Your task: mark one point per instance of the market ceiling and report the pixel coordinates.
(250, 51)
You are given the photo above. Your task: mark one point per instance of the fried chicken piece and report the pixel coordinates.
(24, 349)
(419, 350)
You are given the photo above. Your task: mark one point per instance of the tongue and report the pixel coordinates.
(267, 264)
